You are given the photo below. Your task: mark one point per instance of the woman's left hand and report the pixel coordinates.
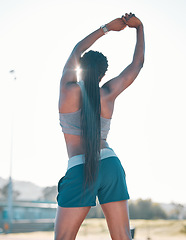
(131, 20)
(117, 24)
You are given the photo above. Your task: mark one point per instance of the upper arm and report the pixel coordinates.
(69, 70)
(118, 84)
(69, 76)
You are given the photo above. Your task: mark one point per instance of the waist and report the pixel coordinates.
(74, 145)
(80, 159)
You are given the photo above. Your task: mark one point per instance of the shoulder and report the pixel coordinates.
(69, 87)
(106, 93)
(70, 97)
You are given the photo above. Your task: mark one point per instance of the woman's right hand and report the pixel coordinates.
(132, 21)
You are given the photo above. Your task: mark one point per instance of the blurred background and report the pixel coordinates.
(36, 39)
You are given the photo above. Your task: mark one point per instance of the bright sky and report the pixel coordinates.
(148, 130)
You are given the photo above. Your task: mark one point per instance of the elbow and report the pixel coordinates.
(78, 49)
(75, 50)
(139, 64)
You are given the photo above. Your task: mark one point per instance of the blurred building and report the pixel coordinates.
(28, 216)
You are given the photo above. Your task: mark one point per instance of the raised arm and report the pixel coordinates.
(118, 84)
(69, 71)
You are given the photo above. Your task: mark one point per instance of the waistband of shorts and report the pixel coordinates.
(80, 159)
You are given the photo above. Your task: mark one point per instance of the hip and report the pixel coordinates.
(80, 159)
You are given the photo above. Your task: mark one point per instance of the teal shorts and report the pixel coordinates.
(110, 185)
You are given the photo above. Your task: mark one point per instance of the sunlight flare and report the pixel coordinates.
(78, 73)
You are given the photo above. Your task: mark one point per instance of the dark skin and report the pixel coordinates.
(70, 93)
(68, 220)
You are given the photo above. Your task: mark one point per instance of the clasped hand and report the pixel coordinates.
(119, 24)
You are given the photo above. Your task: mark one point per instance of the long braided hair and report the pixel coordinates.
(93, 66)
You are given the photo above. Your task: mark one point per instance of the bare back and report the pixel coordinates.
(70, 101)
(70, 92)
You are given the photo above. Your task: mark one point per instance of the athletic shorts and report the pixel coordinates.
(110, 185)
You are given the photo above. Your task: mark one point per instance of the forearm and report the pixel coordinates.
(116, 25)
(73, 61)
(88, 41)
(82, 46)
(138, 57)
(129, 74)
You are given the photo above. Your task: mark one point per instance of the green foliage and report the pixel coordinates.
(4, 193)
(146, 209)
(177, 211)
(49, 194)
